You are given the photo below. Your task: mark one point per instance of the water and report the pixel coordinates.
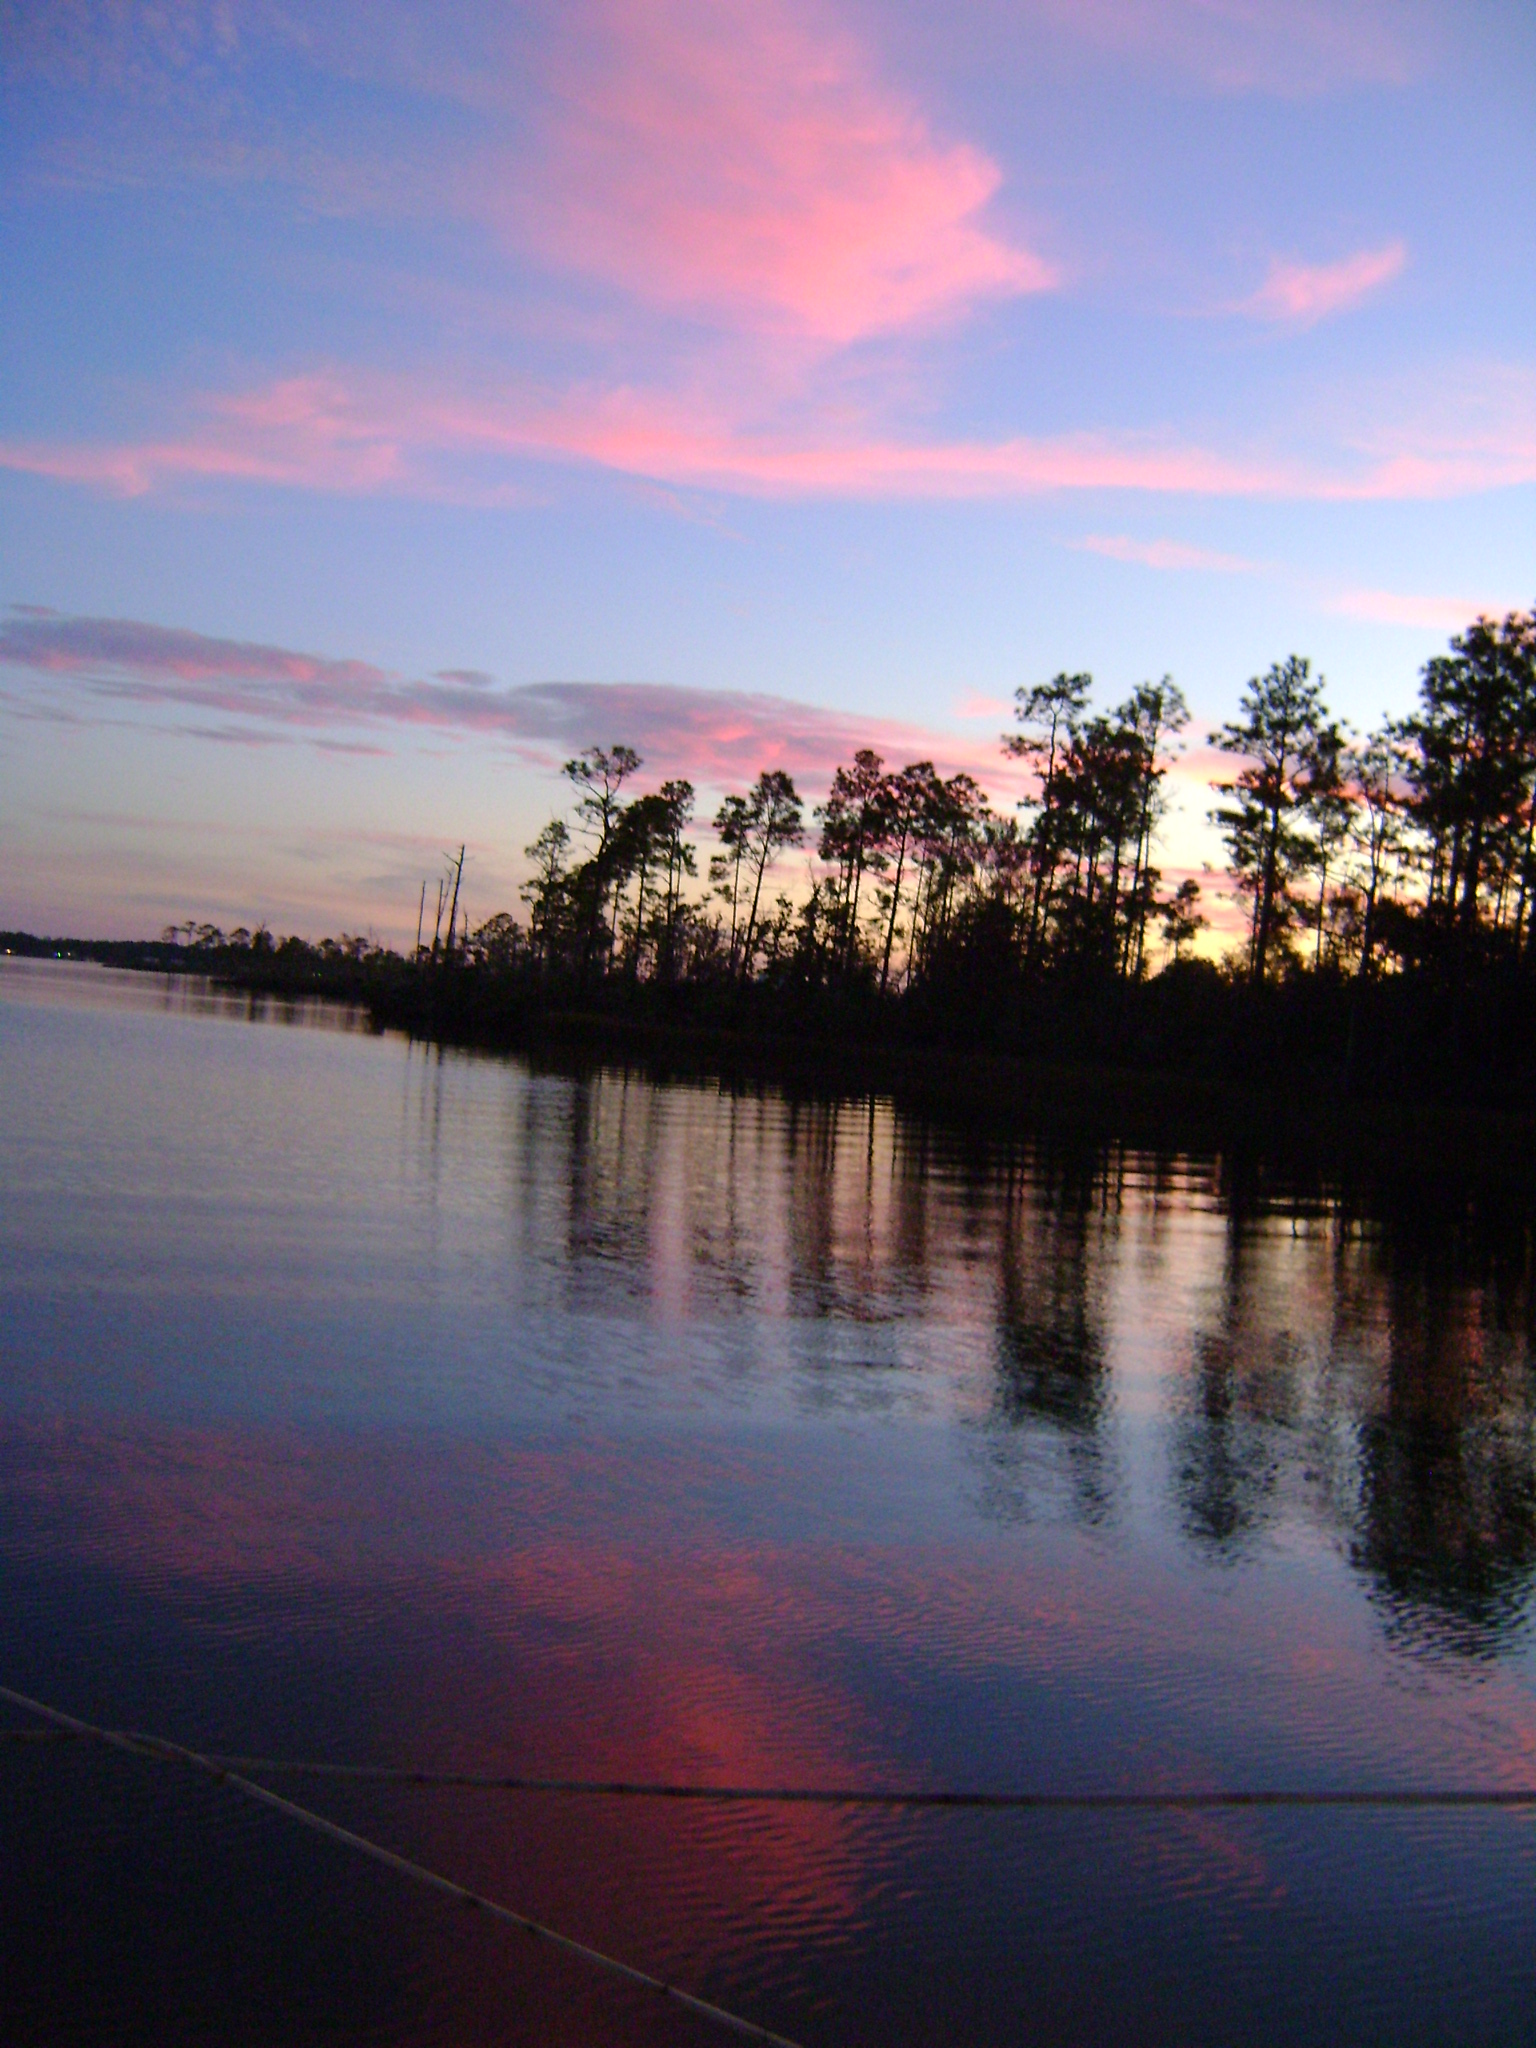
(364, 1403)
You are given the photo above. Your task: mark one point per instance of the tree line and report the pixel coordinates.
(1382, 852)
(1349, 855)
(907, 861)
(1381, 893)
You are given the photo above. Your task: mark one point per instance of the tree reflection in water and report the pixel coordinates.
(1052, 1357)
(1447, 1522)
(1373, 1373)
(1345, 1361)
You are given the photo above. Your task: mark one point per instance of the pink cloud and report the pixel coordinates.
(975, 704)
(724, 737)
(1300, 294)
(748, 160)
(742, 159)
(321, 433)
(51, 643)
(715, 737)
(1428, 614)
(290, 433)
(1162, 554)
(330, 431)
(688, 442)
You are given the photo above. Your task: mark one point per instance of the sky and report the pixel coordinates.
(396, 399)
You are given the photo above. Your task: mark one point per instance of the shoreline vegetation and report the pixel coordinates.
(1032, 969)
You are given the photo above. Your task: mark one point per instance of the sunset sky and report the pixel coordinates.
(394, 399)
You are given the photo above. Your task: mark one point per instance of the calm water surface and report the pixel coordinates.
(364, 1403)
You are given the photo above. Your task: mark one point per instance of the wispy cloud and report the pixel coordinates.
(1379, 607)
(748, 161)
(715, 737)
(1301, 294)
(119, 48)
(381, 436)
(125, 655)
(1425, 613)
(330, 431)
(1164, 554)
(977, 707)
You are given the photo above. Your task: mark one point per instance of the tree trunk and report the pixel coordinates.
(757, 890)
(890, 929)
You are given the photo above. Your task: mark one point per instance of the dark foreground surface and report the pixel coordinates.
(366, 1402)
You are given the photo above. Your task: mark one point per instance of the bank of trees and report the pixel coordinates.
(1091, 884)
(1345, 855)
(1365, 884)
(1375, 897)
(1412, 845)
(903, 867)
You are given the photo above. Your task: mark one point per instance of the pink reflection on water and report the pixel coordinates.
(603, 1614)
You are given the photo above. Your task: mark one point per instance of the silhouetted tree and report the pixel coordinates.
(638, 848)
(1375, 772)
(1329, 804)
(853, 818)
(733, 823)
(1159, 714)
(1048, 712)
(545, 892)
(678, 860)
(1182, 917)
(906, 800)
(774, 821)
(1281, 720)
(952, 844)
(599, 773)
(1388, 858)
(1470, 762)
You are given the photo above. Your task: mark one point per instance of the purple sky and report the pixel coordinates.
(396, 398)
